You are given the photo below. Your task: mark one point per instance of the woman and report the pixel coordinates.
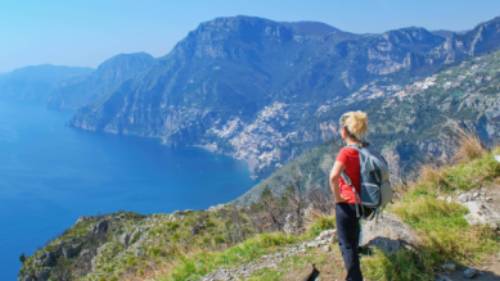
(353, 126)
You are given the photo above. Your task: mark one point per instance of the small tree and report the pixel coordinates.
(22, 258)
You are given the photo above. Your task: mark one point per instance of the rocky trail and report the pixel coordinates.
(321, 242)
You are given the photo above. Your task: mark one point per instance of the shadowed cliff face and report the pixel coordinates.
(252, 88)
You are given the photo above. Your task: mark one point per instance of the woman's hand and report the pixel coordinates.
(340, 198)
(338, 167)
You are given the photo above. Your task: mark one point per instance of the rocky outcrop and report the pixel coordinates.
(388, 233)
(483, 205)
(80, 246)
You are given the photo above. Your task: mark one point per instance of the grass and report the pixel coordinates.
(459, 177)
(402, 265)
(298, 267)
(445, 236)
(444, 233)
(320, 224)
(193, 267)
(470, 148)
(266, 274)
(202, 263)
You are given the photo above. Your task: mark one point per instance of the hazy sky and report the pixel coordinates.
(86, 32)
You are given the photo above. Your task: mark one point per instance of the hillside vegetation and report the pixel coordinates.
(422, 122)
(190, 245)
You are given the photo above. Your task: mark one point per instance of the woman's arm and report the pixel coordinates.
(337, 169)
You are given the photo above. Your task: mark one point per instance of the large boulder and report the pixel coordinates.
(388, 233)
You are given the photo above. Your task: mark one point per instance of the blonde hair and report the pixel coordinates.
(356, 123)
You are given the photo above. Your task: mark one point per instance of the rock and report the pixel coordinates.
(443, 278)
(48, 259)
(326, 248)
(216, 208)
(71, 250)
(328, 234)
(325, 238)
(314, 244)
(481, 209)
(292, 224)
(465, 197)
(449, 266)
(198, 227)
(125, 239)
(322, 241)
(387, 233)
(470, 273)
(101, 228)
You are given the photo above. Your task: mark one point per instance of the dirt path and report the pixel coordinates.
(270, 261)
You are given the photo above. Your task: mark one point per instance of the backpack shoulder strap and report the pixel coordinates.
(354, 146)
(344, 176)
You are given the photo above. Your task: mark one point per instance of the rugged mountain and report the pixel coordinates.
(101, 82)
(36, 83)
(252, 88)
(418, 123)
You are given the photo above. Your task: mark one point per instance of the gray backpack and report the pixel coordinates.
(376, 189)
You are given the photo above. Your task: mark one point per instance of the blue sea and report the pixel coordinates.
(51, 174)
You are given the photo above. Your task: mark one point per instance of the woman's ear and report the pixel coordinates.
(342, 132)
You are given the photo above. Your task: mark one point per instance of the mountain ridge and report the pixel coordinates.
(105, 79)
(248, 86)
(411, 125)
(230, 72)
(37, 82)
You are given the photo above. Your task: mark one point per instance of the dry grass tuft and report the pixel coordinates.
(470, 148)
(430, 173)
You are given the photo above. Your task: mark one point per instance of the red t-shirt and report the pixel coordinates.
(350, 158)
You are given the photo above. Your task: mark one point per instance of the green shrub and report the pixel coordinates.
(190, 268)
(444, 233)
(320, 224)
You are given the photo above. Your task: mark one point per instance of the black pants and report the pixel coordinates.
(348, 230)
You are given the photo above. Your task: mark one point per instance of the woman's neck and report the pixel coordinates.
(350, 141)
